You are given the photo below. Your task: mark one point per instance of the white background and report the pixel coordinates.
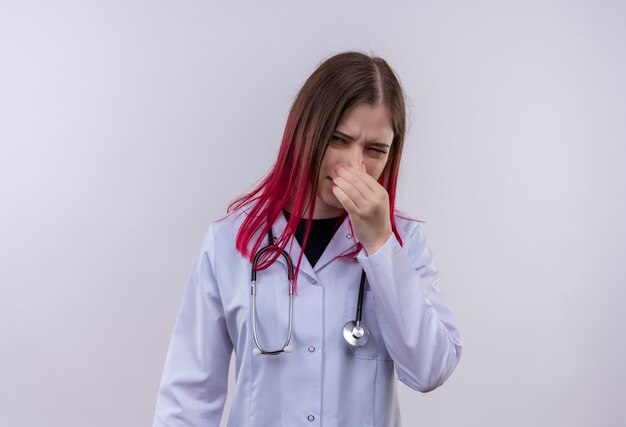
(127, 126)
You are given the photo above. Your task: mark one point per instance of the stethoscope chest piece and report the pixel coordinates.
(355, 333)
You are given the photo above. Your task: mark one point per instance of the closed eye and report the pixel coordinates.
(341, 140)
(377, 150)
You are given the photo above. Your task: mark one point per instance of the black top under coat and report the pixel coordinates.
(322, 232)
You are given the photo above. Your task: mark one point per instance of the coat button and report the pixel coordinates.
(310, 418)
(348, 236)
(311, 349)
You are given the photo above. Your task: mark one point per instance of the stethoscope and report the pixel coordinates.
(354, 332)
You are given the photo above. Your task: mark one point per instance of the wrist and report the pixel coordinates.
(371, 248)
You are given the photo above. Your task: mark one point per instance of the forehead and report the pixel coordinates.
(371, 122)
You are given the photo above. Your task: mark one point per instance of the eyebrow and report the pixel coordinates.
(378, 144)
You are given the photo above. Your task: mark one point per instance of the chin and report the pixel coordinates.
(336, 204)
(330, 201)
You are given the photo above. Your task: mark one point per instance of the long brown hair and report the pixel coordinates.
(340, 82)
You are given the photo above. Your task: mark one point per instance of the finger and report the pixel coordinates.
(345, 201)
(358, 179)
(350, 188)
(369, 180)
(365, 174)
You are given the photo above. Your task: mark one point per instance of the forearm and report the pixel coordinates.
(416, 323)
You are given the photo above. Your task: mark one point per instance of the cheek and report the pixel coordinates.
(331, 157)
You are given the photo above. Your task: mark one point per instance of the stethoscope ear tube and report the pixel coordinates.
(286, 348)
(270, 245)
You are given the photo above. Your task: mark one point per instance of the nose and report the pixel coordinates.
(353, 157)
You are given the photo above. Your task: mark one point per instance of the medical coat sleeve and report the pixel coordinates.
(195, 377)
(418, 327)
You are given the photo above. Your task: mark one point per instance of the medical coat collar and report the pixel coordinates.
(340, 244)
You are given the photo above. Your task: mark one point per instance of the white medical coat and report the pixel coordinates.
(323, 381)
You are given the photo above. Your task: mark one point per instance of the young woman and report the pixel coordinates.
(324, 291)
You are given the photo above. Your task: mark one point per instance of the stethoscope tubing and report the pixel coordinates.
(354, 332)
(290, 275)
